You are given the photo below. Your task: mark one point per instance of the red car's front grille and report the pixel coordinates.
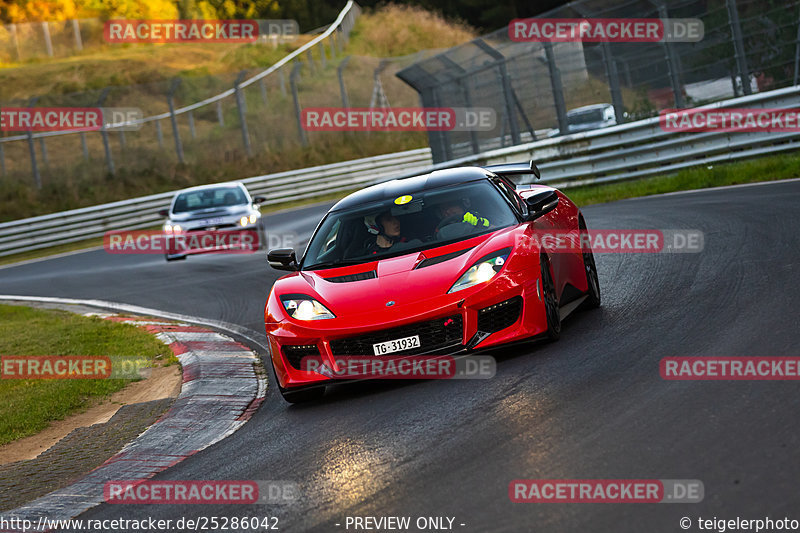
(434, 335)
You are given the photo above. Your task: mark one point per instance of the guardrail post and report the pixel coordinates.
(293, 82)
(191, 125)
(738, 46)
(47, 42)
(76, 29)
(178, 146)
(159, 133)
(613, 82)
(342, 90)
(240, 104)
(34, 167)
(557, 87)
(122, 144)
(333, 44)
(220, 116)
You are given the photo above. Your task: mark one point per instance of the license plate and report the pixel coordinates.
(396, 345)
(212, 222)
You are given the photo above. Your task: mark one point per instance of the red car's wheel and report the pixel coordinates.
(550, 301)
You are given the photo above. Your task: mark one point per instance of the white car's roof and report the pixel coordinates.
(591, 107)
(213, 186)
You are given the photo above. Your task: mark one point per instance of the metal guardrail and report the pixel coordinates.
(90, 222)
(628, 151)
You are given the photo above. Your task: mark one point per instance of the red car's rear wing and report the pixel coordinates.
(511, 170)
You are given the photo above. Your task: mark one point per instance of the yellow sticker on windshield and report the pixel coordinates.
(403, 199)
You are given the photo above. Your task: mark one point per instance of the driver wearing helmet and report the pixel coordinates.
(387, 231)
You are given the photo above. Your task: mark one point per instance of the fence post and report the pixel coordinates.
(797, 54)
(333, 44)
(34, 167)
(507, 95)
(293, 82)
(557, 87)
(159, 134)
(44, 151)
(84, 147)
(16, 41)
(672, 64)
(283, 82)
(178, 146)
(31, 103)
(191, 125)
(613, 82)
(104, 133)
(263, 91)
(322, 59)
(220, 116)
(738, 46)
(76, 29)
(342, 90)
(47, 42)
(242, 119)
(2, 161)
(311, 67)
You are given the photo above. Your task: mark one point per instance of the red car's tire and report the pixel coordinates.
(550, 301)
(592, 281)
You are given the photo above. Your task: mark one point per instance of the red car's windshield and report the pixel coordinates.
(407, 223)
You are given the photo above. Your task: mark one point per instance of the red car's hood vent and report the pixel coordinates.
(439, 259)
(353, 277)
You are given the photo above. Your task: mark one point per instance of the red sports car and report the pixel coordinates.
(444, 263)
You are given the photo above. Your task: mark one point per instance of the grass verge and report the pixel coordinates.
(28, 406)
(771, 168)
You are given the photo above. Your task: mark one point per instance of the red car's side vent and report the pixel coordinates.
(353, 277)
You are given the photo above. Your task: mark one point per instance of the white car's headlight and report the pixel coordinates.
(172, 228)
(485, 269)
(251, 219)
(305, 308)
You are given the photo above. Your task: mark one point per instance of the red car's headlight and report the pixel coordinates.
(482, 271)
(302, 307)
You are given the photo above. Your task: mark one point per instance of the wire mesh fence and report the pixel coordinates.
(748, 46)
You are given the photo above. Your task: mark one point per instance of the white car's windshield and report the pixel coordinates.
(208, 198)
(407, 223)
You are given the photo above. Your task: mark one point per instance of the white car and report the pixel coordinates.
(589, 117)
(211, 208)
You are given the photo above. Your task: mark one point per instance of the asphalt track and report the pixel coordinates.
(592, 405)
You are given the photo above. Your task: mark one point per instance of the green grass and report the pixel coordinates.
(778, 167)
(28, 406)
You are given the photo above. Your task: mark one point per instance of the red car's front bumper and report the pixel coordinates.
(450, 323)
